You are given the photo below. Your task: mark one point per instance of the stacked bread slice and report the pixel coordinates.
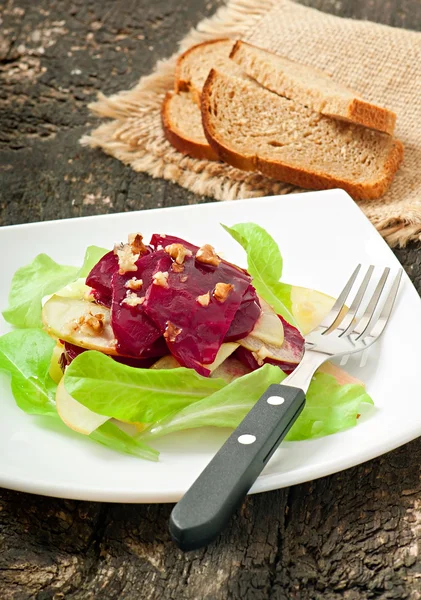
(258, 111)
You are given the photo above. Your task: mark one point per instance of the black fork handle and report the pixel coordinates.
(208, 505)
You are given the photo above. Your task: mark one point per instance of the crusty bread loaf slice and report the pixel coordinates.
(193, 66)
(252, 128)
(311, 87)
(182, 123)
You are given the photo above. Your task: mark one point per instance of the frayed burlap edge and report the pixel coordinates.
(135, 134)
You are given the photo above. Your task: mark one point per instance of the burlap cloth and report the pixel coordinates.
(382, 63)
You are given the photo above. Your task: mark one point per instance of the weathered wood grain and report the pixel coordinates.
(354, 535)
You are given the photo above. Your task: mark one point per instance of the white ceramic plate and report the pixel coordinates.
(322, 236)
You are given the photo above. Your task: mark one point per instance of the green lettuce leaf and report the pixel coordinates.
(329, 408)
(225, 408)
(112, 437)
(264, 263)
(93, 255)
(25, 357)
(131, 394)
(41, 277)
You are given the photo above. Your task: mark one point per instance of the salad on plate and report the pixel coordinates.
(151, 338)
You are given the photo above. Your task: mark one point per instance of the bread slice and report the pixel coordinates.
(182, 123)
(252, 128)
(194, 65)
(311, 87)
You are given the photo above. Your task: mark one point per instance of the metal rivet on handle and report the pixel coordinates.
(247, 438)
(275, 400)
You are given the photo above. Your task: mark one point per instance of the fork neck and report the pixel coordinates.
(302, 375)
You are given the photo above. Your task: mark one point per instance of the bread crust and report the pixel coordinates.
(184, 85)
(306, 179)
(179, 139)
(356, 110)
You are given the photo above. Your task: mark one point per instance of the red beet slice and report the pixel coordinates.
(136, 334)
(195, 331)
(293, 346)
(71, 352)
(245, 317)
(100, 278)
(160, 241)
(249, 310)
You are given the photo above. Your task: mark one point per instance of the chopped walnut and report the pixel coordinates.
(89, 323)
(136, 243)
(178, 252)
(161, 278)
(262, 353)
(222, 291)
(132, 299)
(258, 359)
(171, 332)
(207, 255)
(204, 299)
(134, 284)
(126, 258)
(177, 268)
(184, 278)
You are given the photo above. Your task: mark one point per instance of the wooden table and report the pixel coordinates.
(353, 535)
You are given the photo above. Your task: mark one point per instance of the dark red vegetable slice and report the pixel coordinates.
(135, 332)
(195, 327)
(100, 278)
(71, 352)
(245, 317)
(293, 346)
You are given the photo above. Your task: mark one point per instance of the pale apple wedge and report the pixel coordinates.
(309, 307)
(169, 362)
(268, 328)
(230, 369)
(75, 415)
(341, 376)
(79, 322)
(54, 370)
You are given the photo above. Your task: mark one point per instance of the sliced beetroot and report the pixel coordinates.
(71, 352)
(293, 347)
(100, 278)
(195, 326)
(245, 317)
(160, 241)
(136, 334)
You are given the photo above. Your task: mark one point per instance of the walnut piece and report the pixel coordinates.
(207, 255)
(171, 332)
(184, 278)
(134, 284)
(90, 324)
(222, 291)
(161, 278)
(132, 299)
(258, 359)
(178, 252)
(204, 299)
(177, 268)
(262, 353)
(126, 258)
(136, 243)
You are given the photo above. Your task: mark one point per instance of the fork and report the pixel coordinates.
(207, 506)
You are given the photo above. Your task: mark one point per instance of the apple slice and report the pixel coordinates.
(79, 322)
(309, 307)
(75, 415)
(55, 371)
(231, 369)
(267, 337)
(170, 362)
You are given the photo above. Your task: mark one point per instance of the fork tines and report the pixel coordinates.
(347, 322)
